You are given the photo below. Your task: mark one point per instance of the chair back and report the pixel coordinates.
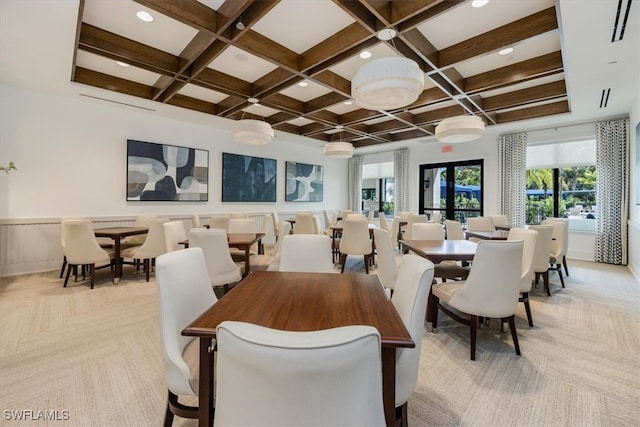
(413, 219)
(215, 247)
(542, 248)
(239, 215)
(242, 225)
(81, 245)
(304, 223)
(355, 236)
(383, 222)
(370, 216)
(195, 221)
(387, 270)
(174, 234)
(62, 220)
(306, 253)
(454, 230)
(276, 223)
(410, 301)
(560, 244)
(528, 238)
(154, 245)
(492, 288)
(404, 215)
(317, 228)
(141, 221)
(329, 377)
(427, 231)
(327, 221)
(436, 217)
(393, 233)
(499, 220)
(285, 230)
(184, 292)
(480, 223)
(220, 222)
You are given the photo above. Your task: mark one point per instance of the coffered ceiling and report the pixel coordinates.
(197, 55)
(297, 58)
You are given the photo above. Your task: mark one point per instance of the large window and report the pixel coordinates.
(561, 182)
(452, 189)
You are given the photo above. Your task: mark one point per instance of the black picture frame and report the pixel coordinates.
(248, 178)
(166, 173)
(304, 182)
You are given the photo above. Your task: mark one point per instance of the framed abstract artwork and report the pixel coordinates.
(304, 182)
(248, 178)
(160, 172)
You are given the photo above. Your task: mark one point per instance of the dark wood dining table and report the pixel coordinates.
(488, 235)
(117, 234)
(242, 241)
(303, 302)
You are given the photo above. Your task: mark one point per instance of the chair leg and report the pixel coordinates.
(559, 269)
(69, 268)
(343, 261)
(92, 271)
(434, 310)
(473, 326)
(564, 263)
(168, 415)
(525, 300)
(545, 278)
(366, 263)
(147, 267)
(402, 415)
(514, 334)
(176, 408)
(64, 264)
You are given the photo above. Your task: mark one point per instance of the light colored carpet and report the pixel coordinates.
(96, 354)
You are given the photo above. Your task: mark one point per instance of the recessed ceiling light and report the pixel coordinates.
(122, 64)
(506, 51)
(253, 100)
(144, 16)
(339, 127)
(365, 54)
(348, 102)
(386, 34)
(479, 3)
(303, 83)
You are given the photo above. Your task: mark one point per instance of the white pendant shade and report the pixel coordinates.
(338, 150)
(252, 132)
(460, 129)
(387, 83)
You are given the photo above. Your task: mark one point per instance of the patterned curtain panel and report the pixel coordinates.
(513, 177)
(355, 183)
(612, 195)
(401, 180)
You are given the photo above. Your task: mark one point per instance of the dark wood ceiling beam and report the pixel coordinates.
(114, 84)
(189, 12)
(421, 46)
(324, 101)
(361, 14)
(526, 96)
(335, 81)
(342, 41)
(410, 134)
(541, 66)
(517, 31)
(104, 43)
(432, 116)
(430, 13)
(193, 104)
(534, 112)
(267, 49)
(224, 83)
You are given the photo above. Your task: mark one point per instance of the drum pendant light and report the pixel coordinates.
(460, 129)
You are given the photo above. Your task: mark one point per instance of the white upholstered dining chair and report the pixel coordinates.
(223, 271)
(306, 253)
(387, 270)
(355, 240)
(528, 238)
(82, 249)
(271, 377)
(153, 246)
(184, 292)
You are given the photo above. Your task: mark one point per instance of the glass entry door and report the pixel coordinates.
(452, 189)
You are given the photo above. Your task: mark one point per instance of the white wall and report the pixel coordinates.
(71, 156)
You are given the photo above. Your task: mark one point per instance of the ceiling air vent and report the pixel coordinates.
(604, 99)
(623, 12)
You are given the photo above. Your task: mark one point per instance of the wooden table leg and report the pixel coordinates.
(205, 387)
(118, 261)
(247, 257)
(389, 384)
